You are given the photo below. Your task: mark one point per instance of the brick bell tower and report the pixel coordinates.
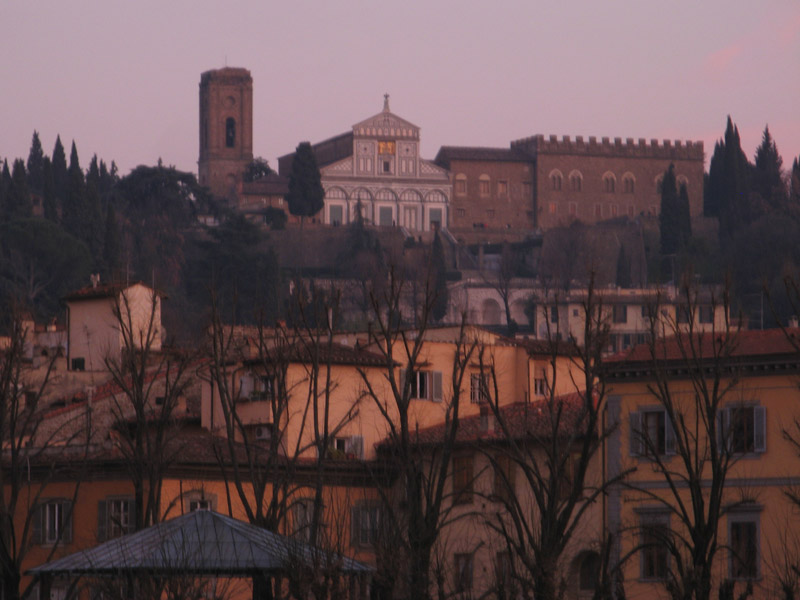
(226, 129)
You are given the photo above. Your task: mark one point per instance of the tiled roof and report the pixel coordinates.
(743, 345)
(271, 185)
(106, 290)
(336, 354)
(200, 542)
(523, 420)
(450, 153)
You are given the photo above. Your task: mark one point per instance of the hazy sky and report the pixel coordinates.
(121, 78)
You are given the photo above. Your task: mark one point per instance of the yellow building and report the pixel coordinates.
(703, 423)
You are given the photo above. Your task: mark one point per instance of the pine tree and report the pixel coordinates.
(767, 173)
(669, 219)
(306, 195)
(36, 165)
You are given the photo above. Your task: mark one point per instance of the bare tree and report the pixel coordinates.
(31, 456)
(689, 443)
(415, 508)
(546, 463)
(152, 381)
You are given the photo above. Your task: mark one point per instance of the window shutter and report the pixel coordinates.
(101, 521)
(437, 386)
(401, 383)
(66, 512)
(636, 433)
(355, 446)
(37, 524)
(760, 425)
(669, 435)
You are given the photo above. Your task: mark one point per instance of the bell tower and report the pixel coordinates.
(226, 129)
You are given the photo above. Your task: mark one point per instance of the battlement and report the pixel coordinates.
(667, 149)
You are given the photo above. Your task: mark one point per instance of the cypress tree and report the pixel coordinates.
(734, 209)
(19, 198)
(60, 176)
(36, 165)
(306, 195)
(767, 173)
(111, 244)
(712, 199)
(49, 192)
(74, 214)
(795, 184)
(669, 219)
(5, 190)
(684, 216)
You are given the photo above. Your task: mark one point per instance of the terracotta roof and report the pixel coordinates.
(271, 185)
(106, 290)
(449, 153)
(546, 347)
(524, 420)
(743, 344)
(337, 354)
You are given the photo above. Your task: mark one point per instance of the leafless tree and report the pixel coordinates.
(151, 382)
(416, 507)
(546, 462)
(31, 456)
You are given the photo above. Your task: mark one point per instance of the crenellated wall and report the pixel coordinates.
(666, 149)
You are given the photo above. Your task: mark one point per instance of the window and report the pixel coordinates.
(263, 388)
(302, 516)
(706, 313)
(386, 147)
(682, 313)
(553, 208)
(743, 530)
(78, 364)
(659, 182)
(365, 523)
(504, 473)
(631, 211)
(598, 210)
(504, 573)
(115, 517)
(743, 428)
(502, 188)
(490, 213)
(651, 433)
(462, 479)
(463, 573)
(527, 189)
(387, 166)
(230, 132)
(540, 387)
(620, 313)
(461, 185)
(554, 314)
(385, 216)
(53, 523)
(555, 181)
(426, 385)
(589, 573)
(336, 213)
(613, 209)
(484, 185)
(575, 181)
(573, 209)
(479, 388)
(435, 217)
(653, 545)
(461, 212)
(628, 183)
(609, 183)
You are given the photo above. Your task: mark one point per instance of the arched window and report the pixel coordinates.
(682, 180)
(609, 183)
(628, 183)
(589, 571)
(555, 180)
(230, 132)
(576, 181)
(461, 184)
(484, 185)
(490, 312)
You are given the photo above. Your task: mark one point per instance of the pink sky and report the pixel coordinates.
(121, 79)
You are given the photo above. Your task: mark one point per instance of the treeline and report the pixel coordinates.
(60, 223)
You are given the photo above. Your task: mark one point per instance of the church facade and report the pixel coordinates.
(376, 169)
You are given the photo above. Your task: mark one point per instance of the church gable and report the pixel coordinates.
(386, 124)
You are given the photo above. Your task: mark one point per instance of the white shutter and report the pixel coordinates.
(437, 386)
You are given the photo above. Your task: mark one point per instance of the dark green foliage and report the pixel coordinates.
(74, 204)
(235, 262)
(111, 245)
(5, 187)
(306, 194)
(36, 165)
(18, 199)
(669, 219)
(684, 216)
(275, 218)
(795, 182)
(767, 178)
(39, 263)
(623, 268)
(49, 201)
(60, 176)
(734, 202)
(257, 169)
(439, 271)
